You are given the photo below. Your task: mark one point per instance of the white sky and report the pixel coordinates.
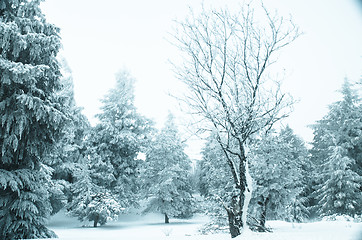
(101, 37)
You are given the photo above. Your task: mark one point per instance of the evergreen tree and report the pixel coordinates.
(118, 138)
(71, 148)
(338, 193)
(298, 210)
(31, 117)
(336, 156)
(167, 174)
(275, 169)
(215, 184)
(91, 201)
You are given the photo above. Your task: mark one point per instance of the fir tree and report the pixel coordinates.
(298, 210)
(338, 192)
(119, 137)
(336, 156)
(31, 117)
(71, 148)
(91, 201)
(167, 174)
(275, 170)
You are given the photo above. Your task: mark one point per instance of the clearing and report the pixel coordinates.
(151, 227)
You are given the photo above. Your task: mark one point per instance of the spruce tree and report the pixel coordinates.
(215, 184)
(336, 156)
(276, 173)
(90, 200)
(71, 147)
(338, 192)
(31, 117)
(118, 138)
(167, 175)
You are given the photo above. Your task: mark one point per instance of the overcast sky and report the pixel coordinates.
(101, 37)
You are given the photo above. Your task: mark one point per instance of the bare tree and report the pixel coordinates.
(226, 61)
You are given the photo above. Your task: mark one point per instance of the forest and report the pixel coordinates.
(253, 169)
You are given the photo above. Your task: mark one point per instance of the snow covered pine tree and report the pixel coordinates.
(167, 175)
(31, 119)
(336, 154)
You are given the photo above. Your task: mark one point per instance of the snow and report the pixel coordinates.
(151, 227)
(247, 193)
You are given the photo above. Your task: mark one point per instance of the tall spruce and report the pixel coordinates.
(118, 138)
(31, 117)
(336, 155)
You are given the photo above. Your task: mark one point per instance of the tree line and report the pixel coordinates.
(53, 159)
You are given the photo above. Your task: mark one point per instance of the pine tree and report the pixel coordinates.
(119, 137)
(71, 148)
(298, 210)
(215, 184)
(336, 155)
(91, 201)
(167, 174)
(275, 169)
(339, 190)
(31, 117)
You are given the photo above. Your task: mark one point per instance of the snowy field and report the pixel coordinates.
(151, 227)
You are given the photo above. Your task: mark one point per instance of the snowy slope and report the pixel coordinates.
(150, 227)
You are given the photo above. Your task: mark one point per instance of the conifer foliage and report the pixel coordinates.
(117, 140)
(276, 169)
(336, 154)
(167, 174)
(31, 117)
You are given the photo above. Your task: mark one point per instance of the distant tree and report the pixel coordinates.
(31, 117)
(167, 174)
(214, 183)
(118, 138)
(213, 171)
(226, 61)
(336, 155)
(298, 211)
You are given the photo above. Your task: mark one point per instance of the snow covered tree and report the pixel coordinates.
(276, 175)
(166, 175)
(213, 170)
(336, 155)
(298, 211)
(31, 117)
(215, 184)
(70, 149)
(119, 137)
(225, 66)
(90, 201)
(339, 191)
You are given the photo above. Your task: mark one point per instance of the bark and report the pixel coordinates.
(95, 223)
(167, 220)
(234, 224)
(263, 203)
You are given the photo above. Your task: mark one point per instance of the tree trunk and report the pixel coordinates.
(263, 203)
(95, 223)
(166, 219)
(234, 224)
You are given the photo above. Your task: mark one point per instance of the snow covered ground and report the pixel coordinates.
(151, 227)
